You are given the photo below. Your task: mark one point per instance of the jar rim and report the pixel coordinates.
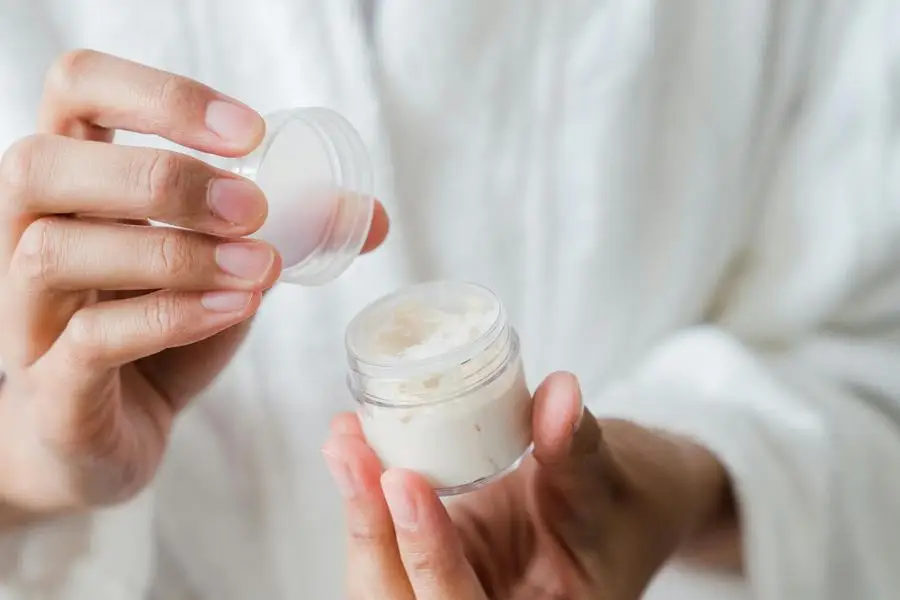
(512, 355)
(459, 355)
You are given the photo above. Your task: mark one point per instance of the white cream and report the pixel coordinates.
(450, 399)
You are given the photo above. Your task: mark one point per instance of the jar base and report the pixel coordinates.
(447, 492)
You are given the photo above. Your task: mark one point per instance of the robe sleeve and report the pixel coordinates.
(794, 382)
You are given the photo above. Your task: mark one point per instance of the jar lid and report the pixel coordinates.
(316, 174)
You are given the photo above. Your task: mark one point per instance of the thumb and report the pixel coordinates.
(576, 488)
(569, 445)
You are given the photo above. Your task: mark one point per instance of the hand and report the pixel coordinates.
(110, 326)
(594, 513)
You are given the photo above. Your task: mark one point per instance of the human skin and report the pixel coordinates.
(597, 510)
(109, 327)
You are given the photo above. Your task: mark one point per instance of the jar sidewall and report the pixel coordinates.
(361, 385)
(456, 444)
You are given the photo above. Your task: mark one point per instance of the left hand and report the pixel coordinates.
(594, 513)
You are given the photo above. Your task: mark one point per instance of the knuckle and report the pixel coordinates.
(86, 338)
(426, 563)
(172, 254)
(164, 314)
(35, 258)
(65, 71)
(364, 532)
(363, 535)
(165, 178)
(179, 95)
(17, 165)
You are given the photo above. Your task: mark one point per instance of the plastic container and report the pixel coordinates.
(437, 374)
(316, 174)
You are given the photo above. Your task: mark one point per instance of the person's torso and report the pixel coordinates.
(592, 162)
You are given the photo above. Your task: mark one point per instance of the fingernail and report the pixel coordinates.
(400, 503)
(247, 260)
(237, 201)
(343, 477)
(225, 301)
(233, 122)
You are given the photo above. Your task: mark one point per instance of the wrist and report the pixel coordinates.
(714, 541)
(13, 514)
(706, 485)
(10, 515)
(686, 485)
(709, 520)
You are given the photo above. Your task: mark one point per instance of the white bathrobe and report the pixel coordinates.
(693, 205)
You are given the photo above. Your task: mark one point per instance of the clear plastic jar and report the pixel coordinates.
(437, 374)
(317, 177)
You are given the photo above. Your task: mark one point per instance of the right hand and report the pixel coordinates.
(108, 325)
(594, 511)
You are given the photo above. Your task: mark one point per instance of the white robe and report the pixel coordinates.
(693, 205)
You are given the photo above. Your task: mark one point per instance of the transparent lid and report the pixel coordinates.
(315, 172)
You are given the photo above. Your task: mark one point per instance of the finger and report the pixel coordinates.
(374, 566)
(558, 414)
(347, 424)
(71, 254)
(107, 335)
(577, 475)
(378, 230)
(103, 180)
(568, 441)
(88, 94)
(429, 545)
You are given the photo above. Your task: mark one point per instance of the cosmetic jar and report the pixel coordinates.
(436, 371)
